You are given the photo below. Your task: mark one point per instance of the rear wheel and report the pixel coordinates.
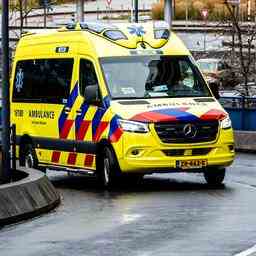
(29, 159)
(109, 171)
(214, 176)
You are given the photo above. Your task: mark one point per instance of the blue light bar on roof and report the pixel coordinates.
(162, 34)
(161, 30)
(115, 35)
(96, 27)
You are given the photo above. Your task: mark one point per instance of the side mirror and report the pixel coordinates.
(91, 95)
(215, 90)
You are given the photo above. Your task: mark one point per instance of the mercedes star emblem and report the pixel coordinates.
(190, 131)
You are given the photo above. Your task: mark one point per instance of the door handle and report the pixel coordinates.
(67, 110)
(79, 112)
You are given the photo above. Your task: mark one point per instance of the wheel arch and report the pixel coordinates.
(100, 146)
(23, 141)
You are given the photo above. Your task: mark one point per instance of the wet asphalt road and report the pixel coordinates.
(166, 215)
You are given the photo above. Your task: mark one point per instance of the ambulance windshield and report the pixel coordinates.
(153, 77)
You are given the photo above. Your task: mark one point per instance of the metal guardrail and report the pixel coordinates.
(242, 111)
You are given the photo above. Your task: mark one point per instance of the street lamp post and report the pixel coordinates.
(168, 11)
(186, 13)
(45, 14)
(80, 10)
(5, 174)
(136, 10)
(132, 11)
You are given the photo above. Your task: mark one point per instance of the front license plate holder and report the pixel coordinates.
(191, 164)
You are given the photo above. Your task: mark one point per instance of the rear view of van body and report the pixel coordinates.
(111, 100)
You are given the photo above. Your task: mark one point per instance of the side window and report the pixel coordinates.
(43, 80)
(87, 75)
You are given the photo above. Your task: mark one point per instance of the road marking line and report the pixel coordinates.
(247, 252)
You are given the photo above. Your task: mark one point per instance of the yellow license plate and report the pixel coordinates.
(191, 164)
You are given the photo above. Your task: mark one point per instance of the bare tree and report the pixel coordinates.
(24, 8)
(245, 42)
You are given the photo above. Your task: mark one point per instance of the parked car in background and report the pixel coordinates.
(233, 98)
(229, 93)
(251, 89)
(217, 71)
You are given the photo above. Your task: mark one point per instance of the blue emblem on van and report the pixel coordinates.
(19, 80)
(136, 30)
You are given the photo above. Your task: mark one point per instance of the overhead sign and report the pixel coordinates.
(233, 2)
(109, 2)
(204, 13)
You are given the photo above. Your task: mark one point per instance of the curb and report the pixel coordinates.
(245, 141)
(27, 198)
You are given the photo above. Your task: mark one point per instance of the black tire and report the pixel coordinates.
(214, 176)
(109, 171)
(29, 159)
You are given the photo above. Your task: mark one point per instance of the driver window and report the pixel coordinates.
(186, 74)
(87, 75)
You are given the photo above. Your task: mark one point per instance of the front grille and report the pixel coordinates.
(174, 152)
(174, 132)
(201, 151)
(181, 152)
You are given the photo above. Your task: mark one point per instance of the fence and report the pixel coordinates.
(242, 111)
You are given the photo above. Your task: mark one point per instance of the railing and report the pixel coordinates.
(242, 111)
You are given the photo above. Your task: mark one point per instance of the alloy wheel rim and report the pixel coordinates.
(106, 171)
(29, 161)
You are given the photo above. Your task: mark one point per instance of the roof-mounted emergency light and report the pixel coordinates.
(115, 35)
(107, 30)
(128, 36)
(161, 30)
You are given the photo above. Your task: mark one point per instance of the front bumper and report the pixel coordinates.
(145, 153)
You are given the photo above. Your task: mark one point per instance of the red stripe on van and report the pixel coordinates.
(66, 129)
(153, 117)
(101, 128)
(72, 158)
(213, 114)
(88, 161)
(56, 156)
(83, 130)
(116, 135)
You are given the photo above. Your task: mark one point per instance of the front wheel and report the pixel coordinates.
(214, 176)
(109, 171)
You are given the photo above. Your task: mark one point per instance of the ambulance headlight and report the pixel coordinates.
(226, 123)
(131, 126)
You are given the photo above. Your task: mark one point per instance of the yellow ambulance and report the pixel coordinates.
(113, 100)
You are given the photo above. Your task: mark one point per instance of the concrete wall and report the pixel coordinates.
(27, 198)
(245, 141)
